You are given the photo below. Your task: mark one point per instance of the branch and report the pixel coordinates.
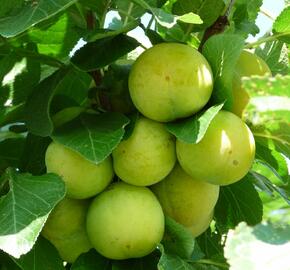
(218, 26)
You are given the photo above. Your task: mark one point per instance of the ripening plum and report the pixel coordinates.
(82, 177)
(66, 228)
(147, 156)
(125, 221)
(170, 81)
(224, 155)
(188, 201)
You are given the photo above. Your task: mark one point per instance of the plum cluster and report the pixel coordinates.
(157, 174)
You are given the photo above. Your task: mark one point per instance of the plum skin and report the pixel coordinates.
(188, 201)
(147, 156)
(224, 155)
(82, 177)
(65, 228)
(125, 221)
(170, 81)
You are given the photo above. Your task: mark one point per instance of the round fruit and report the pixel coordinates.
(125, 221)
(248, 64)
(170, 81)
(188, 201)
(66, 229)
(224, 155)
(82, 177)
(147, 156)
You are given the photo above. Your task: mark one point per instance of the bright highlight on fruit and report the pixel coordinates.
(125, 221)
(224, 155)
(170, 81)
(82, 177)
(66, 228)
(147, 156)
(188, 201)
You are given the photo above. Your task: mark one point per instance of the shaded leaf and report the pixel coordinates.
(31, 13)
(222, 52)
(102, 52)
(25, 208)
(177, 239)
(238, 202)
(10, 153)
(192, 130)
(90, 261)
(43, 256)
(93, 136)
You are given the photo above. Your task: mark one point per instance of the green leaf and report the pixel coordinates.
(222, 52)
(172, 262)
(238, 202)
(177, 239)
(25, 208)
(10, 153)
(275, 54)
(282, 24)
(32, 159)
(93, 136)
(55, 38)
(192, 130)
(262, 182)
(103, 52)
(190, 18)
(31, 13)
(244, 17)
(37, 109)
(43, 256)
(203, 8)
(91, 261)
(210, 244)
(260, 247)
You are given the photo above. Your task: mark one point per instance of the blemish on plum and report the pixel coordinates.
(235, 162)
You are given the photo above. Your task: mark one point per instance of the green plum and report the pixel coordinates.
(188, 201)
(170, 81)
(82, 177)
(224, 155)
(147, 156)
(125, 221)
(248, 64)
(65, 228)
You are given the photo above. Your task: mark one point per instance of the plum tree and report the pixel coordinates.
(82, 177)
(248, 64)
(125, 221)
(224, 155)
(170, 81)
(147, 156)
(188, 201)
(66, 228)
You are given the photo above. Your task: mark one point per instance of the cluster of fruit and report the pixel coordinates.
(158, 174)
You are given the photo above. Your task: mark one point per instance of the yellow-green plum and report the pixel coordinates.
(147, 156)
(248, 64)
(82, 177)
(224, 155)
(66, 228)
(125, 221)
(188, 201)
(170, 81)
